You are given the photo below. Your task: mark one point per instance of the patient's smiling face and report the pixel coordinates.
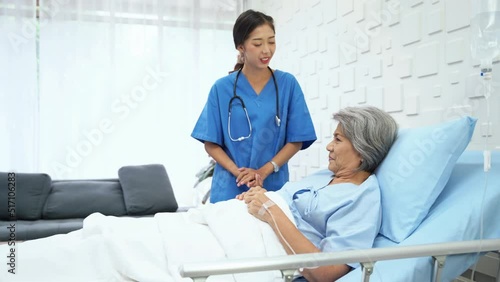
(343, 158)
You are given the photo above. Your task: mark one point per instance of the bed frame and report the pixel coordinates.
(367, 258)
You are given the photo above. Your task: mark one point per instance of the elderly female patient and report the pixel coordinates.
(339, 208)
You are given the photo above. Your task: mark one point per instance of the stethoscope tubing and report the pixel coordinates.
(236, 97)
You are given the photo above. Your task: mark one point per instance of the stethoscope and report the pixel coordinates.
(236, 97)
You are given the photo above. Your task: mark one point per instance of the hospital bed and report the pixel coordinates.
(462, 225)
(438, 217)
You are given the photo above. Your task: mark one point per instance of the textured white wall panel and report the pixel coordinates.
(373, 14)
(326, 132)
(404, 66)
(347, 80)
(315, 17)
(391, 13)
(361, 95)
(376, 67)
(334, 78)
(316, 156)
(310, 65)
(388, 59)
(348, 50)
(323, 39)
(313, 2)
(457, 14)
(329, 10)
(302, 45)
(393, 100)
(359, 10)
(474, 86)
(435, 21)
(388, 43)
(312, 87)
(345, 7)
(426, 59)
(287, 12)
(455, 77)
(411, 103)
(312, 40)
(411, 28)
(414, 3)
(375, 97)
(436, 91)
(455, 50)
(333, 52)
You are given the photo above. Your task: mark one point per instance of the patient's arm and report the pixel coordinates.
(292, 239)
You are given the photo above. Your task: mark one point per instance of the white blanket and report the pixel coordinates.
(149, 249)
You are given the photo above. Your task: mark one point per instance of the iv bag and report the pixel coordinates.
(485, 31)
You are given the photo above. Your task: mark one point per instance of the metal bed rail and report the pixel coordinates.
(366, 257)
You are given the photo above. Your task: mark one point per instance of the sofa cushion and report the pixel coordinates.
(415, 171)
(35, 229)
(147, 189)
(80, 198)
(28, 191)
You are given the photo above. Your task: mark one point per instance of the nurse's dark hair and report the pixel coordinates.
(371, 132)
(245, 24)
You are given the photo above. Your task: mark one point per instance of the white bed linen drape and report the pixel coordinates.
(109, 83)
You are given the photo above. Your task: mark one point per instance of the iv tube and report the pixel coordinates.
(485, 46)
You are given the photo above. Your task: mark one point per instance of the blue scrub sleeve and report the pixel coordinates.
(209, 124)
(300, 127)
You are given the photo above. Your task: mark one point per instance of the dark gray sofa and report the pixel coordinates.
(32, 205)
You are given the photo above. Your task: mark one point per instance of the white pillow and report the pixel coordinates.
(415, 171)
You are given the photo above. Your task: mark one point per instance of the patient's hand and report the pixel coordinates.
(251, 194)
(255, 205)
(252, 190)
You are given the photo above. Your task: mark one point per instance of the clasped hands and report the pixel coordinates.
(250, 177)
(255, 198)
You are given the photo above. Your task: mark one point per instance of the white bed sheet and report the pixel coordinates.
(149, 249)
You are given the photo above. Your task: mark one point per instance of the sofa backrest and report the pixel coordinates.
(23, 195)
(139, 190)
(80, 198)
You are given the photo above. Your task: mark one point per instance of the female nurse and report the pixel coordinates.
(255, 118)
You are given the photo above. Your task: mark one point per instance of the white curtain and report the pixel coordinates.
(104, 84)
(18, 86)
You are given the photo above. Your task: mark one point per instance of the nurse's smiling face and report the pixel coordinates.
(343, 158)
(259, 47)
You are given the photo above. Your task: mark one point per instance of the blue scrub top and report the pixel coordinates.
(336, 217)
(266, 140)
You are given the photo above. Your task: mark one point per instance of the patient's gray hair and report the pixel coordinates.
(371, 132)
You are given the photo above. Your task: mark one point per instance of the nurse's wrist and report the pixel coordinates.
(235, 171)
(269, 168)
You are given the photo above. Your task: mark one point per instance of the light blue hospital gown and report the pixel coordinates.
(266, 140)
(338, 217)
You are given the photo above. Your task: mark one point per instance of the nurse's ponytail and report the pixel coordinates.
(240, 61)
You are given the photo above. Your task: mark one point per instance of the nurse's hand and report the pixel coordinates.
(246, 177)
(252, 191)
